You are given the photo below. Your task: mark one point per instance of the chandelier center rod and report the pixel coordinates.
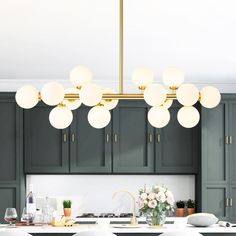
(121, 48)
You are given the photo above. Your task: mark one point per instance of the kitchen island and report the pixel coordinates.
(143, 230)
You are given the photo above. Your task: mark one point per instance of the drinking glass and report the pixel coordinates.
(25, 216)
(10, 216)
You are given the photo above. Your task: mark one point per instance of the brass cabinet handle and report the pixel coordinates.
(115, 138)
(231, 202)
(150, 138)
(64, 138)
(73, 138)
(158, 138)
(230, 139)
(227, 202)
(226, 139)
(107, 138)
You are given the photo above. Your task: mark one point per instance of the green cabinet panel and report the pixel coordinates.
(214, 150)
(232, 141)
(129, 144)
(215, 201)
(133, 148)
(90, 148)
(45, 148)
(177, 148)
(11, 157)
(8, 140)
(218, 158)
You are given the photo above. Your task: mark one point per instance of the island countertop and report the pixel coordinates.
(144, 229)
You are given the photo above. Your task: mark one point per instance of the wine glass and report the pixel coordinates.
(10, 216)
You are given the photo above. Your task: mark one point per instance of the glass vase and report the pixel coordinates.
(156, 219)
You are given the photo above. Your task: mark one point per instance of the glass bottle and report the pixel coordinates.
(31, 204)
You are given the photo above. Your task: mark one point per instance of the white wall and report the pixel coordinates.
(46, 39)
(93, 193)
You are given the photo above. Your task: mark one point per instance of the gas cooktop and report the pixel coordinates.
(105, 215)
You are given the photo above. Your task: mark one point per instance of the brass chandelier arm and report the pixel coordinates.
(120, 96)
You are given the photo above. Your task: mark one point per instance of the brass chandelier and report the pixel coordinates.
(103, 100)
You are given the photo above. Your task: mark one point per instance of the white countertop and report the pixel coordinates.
(179, 224)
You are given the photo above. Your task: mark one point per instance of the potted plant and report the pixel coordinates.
(180, 208)
(154, 202)
(67, 207)
(190, 206)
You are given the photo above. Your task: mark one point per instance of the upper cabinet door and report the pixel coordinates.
(90, 148)
(133, 148)
(176, 147)
(232, 142)
(214, 148)
(10, 139)
(45, 147)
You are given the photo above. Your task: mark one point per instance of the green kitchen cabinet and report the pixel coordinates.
(46, 149)
(135, 142)
(11, 157)
(232, 159)
(133, 138)
(215, 200)
(232, 142)
(129, 144)
(218, 157)
(90, 148)
(177, 148)
(78, 149)
(214, 148)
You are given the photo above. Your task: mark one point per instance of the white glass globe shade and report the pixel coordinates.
(27, 96)
(109, 104)
(72, 104)
(188, 117)
(210, 97)
(60, 117)
(91, 94)
(52, 93)
(99, 117)
(80, 76)
(187, 94)
(168, 103)
(158, 116)
(155, 95)
(142, 77)
(173, 77)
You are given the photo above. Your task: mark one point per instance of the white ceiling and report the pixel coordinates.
(43, 40)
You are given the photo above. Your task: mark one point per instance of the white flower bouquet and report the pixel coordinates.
(155, 202)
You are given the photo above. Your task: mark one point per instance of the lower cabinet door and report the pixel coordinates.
(46, 148)
(232, 203)
(133, 139)
(215, 201)
(90, 148)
